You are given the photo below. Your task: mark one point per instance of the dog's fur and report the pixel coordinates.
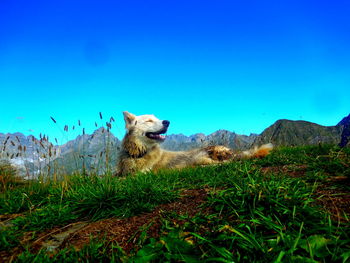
(141, 151)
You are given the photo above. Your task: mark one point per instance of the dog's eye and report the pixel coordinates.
(149, 121)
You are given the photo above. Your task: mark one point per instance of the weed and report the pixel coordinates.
(8, 176)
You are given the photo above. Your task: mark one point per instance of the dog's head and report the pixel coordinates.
(147, 128)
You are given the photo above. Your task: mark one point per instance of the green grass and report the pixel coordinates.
(249, 226)
(255, 216)
(8, 176)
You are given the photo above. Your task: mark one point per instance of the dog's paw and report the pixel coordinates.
(219, 153)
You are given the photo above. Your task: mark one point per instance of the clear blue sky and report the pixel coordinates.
(203, 65)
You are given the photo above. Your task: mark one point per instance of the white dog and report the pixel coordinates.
(141, 151)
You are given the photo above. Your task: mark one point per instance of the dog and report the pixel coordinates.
(141, 151)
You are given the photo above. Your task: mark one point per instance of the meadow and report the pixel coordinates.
(292, 206)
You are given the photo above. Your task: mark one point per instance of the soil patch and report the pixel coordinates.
(291, 170)
(334, 196)
(123, 231)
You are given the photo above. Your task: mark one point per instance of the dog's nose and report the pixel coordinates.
(166, 123)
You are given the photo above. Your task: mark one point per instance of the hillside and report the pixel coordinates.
(288, 133)
(345, 121)
(292, 206)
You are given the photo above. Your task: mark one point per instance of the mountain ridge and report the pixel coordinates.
(99, 150)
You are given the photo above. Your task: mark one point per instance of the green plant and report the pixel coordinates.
(8, 176)
(256, 211)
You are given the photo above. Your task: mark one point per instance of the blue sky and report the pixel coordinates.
(203, 65)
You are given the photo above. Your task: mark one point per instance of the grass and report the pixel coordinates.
(255, 215)
(8, 176)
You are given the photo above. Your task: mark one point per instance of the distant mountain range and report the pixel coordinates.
(178, 142)
(93, 153)
(27, 153)
(34, 156)
(281, 133)
(97, 152)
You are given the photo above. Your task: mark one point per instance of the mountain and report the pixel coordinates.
(17, 143)
(32, 156)
(345, 121)
(177, 142)
(289, 133)
(345, 136)
(98, 152)
(94, 153)
(27, 153)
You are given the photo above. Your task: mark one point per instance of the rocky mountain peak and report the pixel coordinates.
(345, 121)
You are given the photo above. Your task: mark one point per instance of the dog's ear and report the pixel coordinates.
(129, 118)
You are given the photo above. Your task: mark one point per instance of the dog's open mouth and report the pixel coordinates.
(157, 135)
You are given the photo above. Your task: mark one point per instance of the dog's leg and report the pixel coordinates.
(219, 153)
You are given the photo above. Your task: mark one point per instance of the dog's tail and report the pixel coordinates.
(257, 152)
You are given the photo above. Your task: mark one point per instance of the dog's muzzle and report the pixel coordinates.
(157, 135)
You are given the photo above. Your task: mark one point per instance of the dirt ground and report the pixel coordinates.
(331, 194)
(123, 231)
